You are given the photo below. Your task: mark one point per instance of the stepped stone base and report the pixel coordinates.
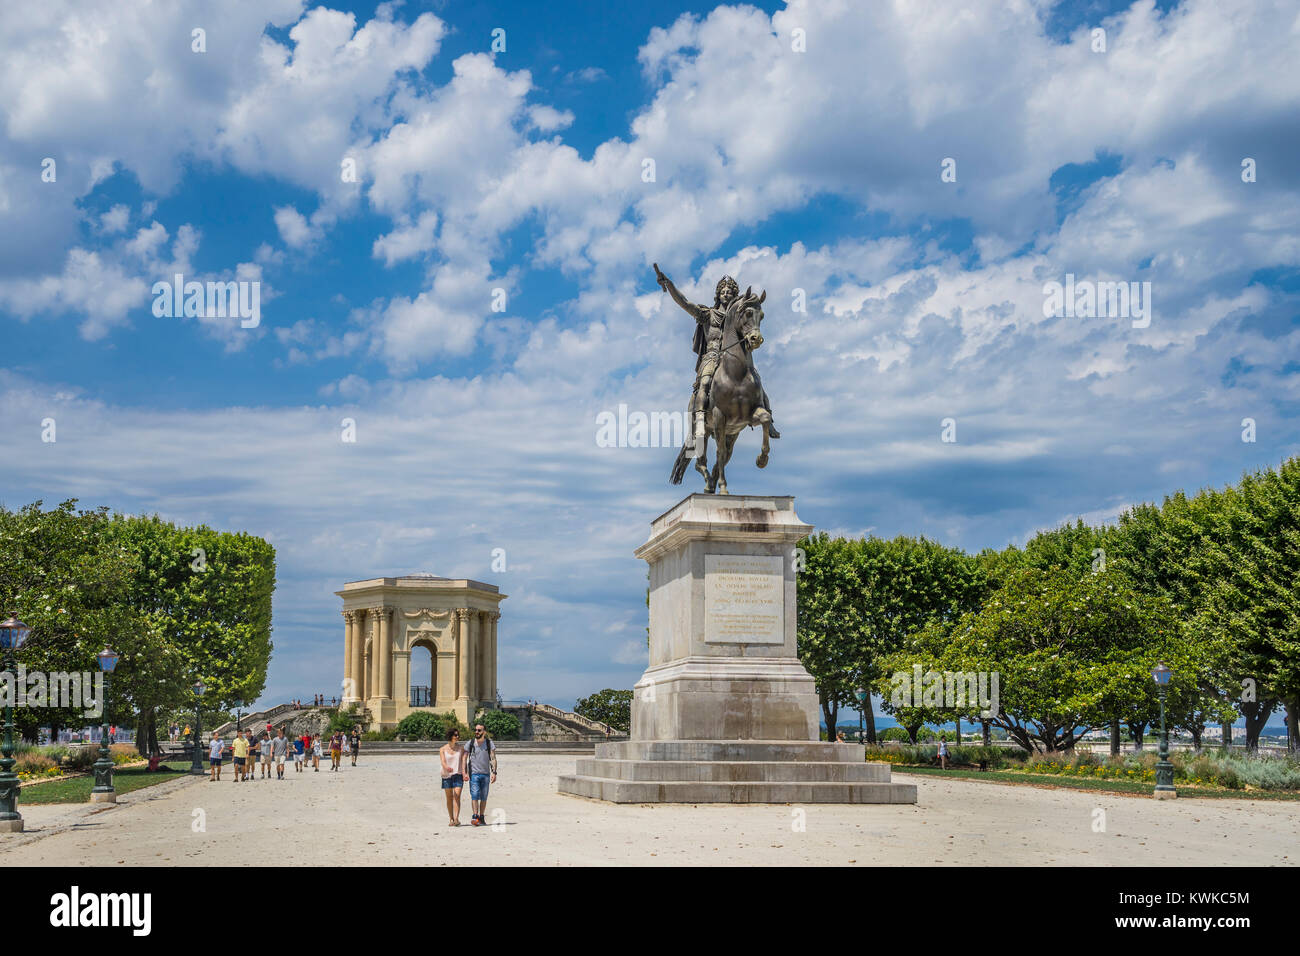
(729, 771)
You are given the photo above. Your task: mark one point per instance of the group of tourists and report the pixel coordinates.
(272, 749)
(251, 750)
(476, 760)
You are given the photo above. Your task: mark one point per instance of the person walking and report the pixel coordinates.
(279, 749)
(336, 749)
(481, 761)
(215, 748)
(266, 756)
(943, 754)
(299, 752)
(240, 748)
(452, 760)
(355, 741)
(315, 753)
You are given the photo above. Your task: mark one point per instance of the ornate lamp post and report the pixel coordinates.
(196, 765)
(1164, 769)
(239, 717)
(861, 695)
(103, 791)
(13, 633)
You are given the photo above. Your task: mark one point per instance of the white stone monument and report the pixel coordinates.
(726, 712)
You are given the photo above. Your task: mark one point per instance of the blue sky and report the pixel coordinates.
(522, 170)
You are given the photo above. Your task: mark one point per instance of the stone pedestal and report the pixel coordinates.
(726, 712)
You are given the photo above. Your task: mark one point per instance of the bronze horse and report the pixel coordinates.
(736, 399)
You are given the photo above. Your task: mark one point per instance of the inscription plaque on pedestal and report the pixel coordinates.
(744, 599)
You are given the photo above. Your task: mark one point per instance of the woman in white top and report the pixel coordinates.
(452, 759)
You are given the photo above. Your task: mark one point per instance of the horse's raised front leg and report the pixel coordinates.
(763, 419)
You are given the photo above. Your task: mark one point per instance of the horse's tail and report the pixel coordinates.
(679, 466)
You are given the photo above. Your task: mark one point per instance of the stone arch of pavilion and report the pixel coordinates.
(386, 620)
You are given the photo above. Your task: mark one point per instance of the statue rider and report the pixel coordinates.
(707, 343)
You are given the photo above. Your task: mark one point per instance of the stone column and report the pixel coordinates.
(385, 669)
(358, 689)
(492, 656)
(462, 653)
(372, 670)
(480, 655)
(473, 634)
(348, 618)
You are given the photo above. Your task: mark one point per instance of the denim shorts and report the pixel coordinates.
(454, 782)
(478, 786)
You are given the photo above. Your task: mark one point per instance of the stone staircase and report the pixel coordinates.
(277, 715)
(543, 722)
(726, 771)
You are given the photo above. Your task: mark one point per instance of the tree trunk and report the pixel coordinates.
(1227, 734)
(1196, 732)
(871, 722)
(958, 741)
(829, 710)
(1292, 719)
(987, 733)
(1137, 729)
(912, 731)
(146, 742)
(1114, 737)
(1257, 713)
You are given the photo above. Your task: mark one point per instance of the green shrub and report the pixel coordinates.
(81, 758)
(390, 734)
(894, 733)
(424, 725)
(32, 761)
(500, 725)
(345, 720)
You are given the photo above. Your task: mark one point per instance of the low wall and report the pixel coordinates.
(504, 746)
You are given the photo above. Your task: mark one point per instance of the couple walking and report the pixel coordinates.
(478, 759)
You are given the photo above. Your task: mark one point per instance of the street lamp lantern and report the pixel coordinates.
(199, 688)
(1164, 769)
(103, 791)
(13, 634)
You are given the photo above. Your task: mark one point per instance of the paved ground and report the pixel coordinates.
(389, 811)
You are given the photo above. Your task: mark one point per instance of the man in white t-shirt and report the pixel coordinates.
(215, 749)
(279, 750)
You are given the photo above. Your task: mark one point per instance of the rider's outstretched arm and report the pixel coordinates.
(699, 313)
